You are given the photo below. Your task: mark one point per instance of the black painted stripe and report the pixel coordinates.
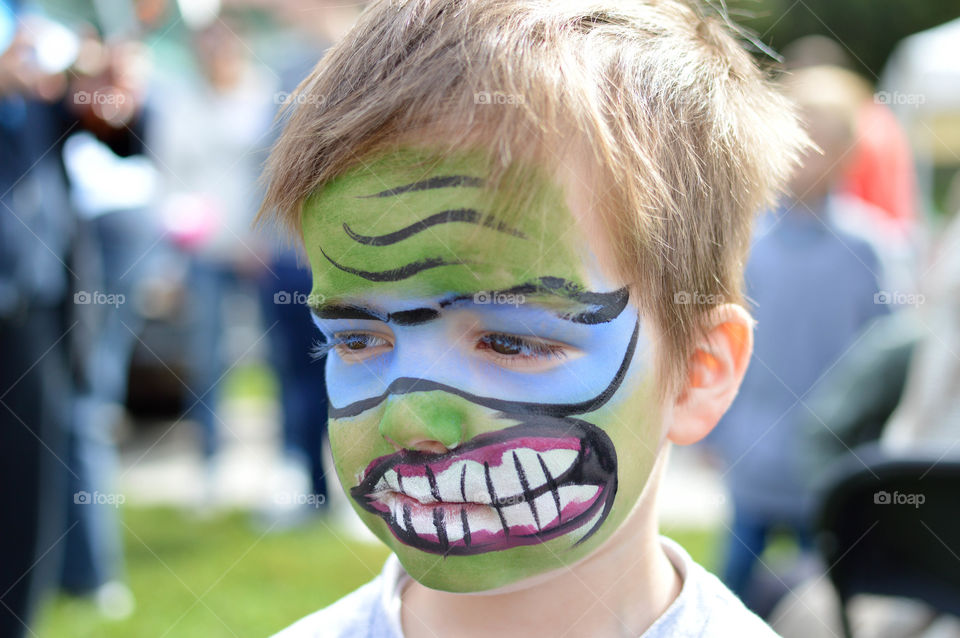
(407, 385)
(465, 215)
(444, 181)
(346, 311)
(606, 306)
(432, 480)
(494, 500)
(395, 274)
(438, 525)
(466, 527)
(413, 317)
(553, 487)
(527, 494)
(407, 519)
(463, 483)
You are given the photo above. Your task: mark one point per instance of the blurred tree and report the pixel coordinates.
(867, 29)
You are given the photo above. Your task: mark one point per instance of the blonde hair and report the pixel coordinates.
(687, 137)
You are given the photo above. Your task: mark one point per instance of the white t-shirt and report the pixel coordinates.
(705, 608)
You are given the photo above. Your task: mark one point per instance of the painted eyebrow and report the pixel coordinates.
(444, 181)
(412, 317)
(466, 215)
(607, 306)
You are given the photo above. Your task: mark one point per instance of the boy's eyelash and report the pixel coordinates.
(528, 347)
(319, 349)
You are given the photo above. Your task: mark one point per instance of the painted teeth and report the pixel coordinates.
(558, 461)
(576, 494)
(466, 481)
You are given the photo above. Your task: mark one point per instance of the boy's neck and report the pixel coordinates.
(620, 590)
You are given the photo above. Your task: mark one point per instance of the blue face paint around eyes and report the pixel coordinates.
(428, 352)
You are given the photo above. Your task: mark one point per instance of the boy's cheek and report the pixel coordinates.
(354, 442)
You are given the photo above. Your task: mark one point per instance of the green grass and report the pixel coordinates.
(249, 584)
(253, 380)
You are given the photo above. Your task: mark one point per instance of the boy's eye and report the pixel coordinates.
(503, 344)
(358, 342)
(357, 346)
(526, 353)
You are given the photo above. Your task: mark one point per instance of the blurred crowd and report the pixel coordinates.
(131, 140)
(853, 283)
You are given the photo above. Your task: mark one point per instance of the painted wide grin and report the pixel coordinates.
(503, 489)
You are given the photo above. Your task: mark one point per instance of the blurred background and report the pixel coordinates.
(162, 422)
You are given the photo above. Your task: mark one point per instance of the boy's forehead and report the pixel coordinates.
(412, 223)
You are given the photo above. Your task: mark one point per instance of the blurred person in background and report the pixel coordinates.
(812, 287)
(36, 238)
(880, 170)
(877, 187)
(901, 387)
(309, 28)
(928, 417)
(207, 136)
(112, 185)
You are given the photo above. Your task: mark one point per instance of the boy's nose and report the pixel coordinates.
(425, 421)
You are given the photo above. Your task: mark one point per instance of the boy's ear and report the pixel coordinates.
(714, 373)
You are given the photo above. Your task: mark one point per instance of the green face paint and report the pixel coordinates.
(370, 232)
(492, 412)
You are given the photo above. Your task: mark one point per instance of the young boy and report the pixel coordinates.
(526, 222)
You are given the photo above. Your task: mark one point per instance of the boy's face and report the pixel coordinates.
(492, 408)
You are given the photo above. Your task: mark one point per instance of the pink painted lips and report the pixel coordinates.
(503, 489)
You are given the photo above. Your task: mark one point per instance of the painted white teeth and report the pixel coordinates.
(505, 480)
(474, 483)
(448, 482)
(485, 519)
(558, 461)
(417, 487)
(390, 476)
(532, 471)
(546, 509)
(396, 510)
(576, 494)
(519, 515)
(454, 525)
(423, 523)
(469, 481)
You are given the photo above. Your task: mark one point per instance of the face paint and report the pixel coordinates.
(478, 321)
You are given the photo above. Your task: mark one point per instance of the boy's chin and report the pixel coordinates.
(493, 572)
